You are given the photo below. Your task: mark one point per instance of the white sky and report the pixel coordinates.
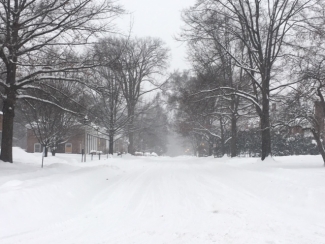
(158, 18)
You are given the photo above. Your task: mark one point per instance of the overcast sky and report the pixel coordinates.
(158, 18)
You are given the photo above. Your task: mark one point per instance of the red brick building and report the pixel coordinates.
(82, 138)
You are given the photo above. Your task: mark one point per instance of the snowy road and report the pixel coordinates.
(164, 200)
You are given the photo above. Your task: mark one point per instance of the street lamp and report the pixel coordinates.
(98, 141)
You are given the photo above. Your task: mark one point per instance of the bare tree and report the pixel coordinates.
(27, 29)
(52, 122)
(50, 125)
(137, 62)
(109, 104)
(209, 58)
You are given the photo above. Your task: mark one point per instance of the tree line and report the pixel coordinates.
(257, 76)
(62, 67)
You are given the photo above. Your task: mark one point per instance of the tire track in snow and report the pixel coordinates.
(187, 201)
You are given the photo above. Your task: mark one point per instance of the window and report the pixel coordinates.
(37, 147)
(68, 148)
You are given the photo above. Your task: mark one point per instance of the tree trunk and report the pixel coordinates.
(111, 144)
(319, 144)
(265, 128)
(233, 145)
(210, 146)
(131, 143)
(45, 150)
(7, 127)
(222, 138)
(130, 129)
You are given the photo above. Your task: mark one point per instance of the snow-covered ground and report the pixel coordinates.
(159, 200)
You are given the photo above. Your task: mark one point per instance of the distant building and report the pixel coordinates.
(83, 138)
(297, 129)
